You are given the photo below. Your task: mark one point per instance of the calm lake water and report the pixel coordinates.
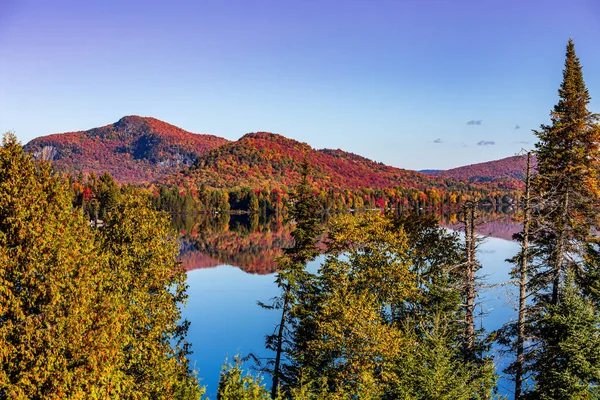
(230, 267)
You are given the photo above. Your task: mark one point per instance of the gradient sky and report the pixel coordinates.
(396, 81)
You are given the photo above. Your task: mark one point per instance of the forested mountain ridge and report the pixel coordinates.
(509, 172)
(264, 159)
(143, 150)
(133, 150)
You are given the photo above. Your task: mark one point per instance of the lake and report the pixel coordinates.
(231, 266)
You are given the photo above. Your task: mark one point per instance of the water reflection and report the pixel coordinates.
(249, 242)
(253, 242)
(502, 226)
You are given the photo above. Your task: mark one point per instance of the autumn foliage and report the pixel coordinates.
(133, 149)
(506, 173)
(86, 312)
(270, 160)
(153, 153)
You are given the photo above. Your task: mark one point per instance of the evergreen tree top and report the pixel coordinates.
(574, 96)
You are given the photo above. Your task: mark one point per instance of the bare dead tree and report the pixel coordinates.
(471, 265)
(522, 273)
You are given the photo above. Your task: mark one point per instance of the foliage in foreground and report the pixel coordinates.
(384, 318)
(86, 313)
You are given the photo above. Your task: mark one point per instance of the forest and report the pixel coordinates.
(91, 285)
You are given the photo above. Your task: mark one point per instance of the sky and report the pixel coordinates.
(429, 84)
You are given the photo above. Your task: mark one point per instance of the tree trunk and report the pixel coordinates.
(523, 284)
(279, 348)
(470, 239)
(560, 249)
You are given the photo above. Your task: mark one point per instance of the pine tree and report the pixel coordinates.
(107, 192)
(357, 341)
(292, 277)
(434, 255)
(380, 317)
(567, 182)
(434, 366)
(568, 359)
(564, 320)
(437, 366)
(235, 385)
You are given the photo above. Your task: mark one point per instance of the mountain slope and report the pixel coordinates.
(507, 172)
(133, 150)
(143, 150)
(265, 159)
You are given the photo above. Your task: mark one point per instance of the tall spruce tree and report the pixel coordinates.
(567, 188)
(567, 183)
(292, 277)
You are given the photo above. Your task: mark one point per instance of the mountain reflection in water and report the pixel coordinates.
(253, 243)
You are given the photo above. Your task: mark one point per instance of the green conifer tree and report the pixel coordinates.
(149, 285)
(235, 385)
(567, 183)
(567, 363)
(433, 367)
(292, 277)
(565, 323)
(86, 313)
(57, 331)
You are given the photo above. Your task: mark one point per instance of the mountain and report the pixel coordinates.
(508, 172)
(265, 159)
(133, 150)
(144, 150)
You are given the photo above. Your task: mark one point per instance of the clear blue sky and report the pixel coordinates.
(396, 81)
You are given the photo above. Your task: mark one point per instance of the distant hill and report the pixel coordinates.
(508, 172)
(144, 150)
(265, 159)
(133, 150)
